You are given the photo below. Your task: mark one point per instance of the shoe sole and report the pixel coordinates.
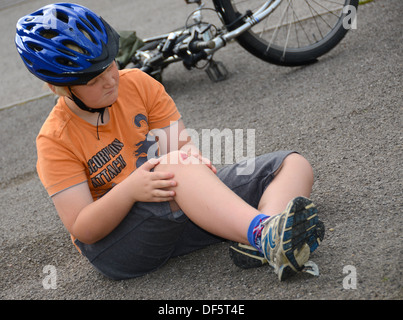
(298, 237)
(286, 271)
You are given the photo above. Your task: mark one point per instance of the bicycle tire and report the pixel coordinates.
(277, 54)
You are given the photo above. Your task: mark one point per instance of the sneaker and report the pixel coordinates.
(246, 257)
(287, 238)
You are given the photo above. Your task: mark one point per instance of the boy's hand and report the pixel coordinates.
(152, 186)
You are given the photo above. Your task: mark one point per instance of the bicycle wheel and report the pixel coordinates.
(297, 32)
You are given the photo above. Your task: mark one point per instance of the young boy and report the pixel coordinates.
(127, 207)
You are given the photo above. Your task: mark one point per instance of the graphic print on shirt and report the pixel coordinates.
(109, 160)
(144, 147)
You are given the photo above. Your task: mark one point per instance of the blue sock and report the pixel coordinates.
(255, 231)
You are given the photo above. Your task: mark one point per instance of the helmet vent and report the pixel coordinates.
(66, 62)
(74, 47)
(27, 61)
(89, 25)
(48, 34)
(34, 47)
(48, 73)
(85, 33)
(67, 52)
(29, 27)
(93, 21)
(62, 16)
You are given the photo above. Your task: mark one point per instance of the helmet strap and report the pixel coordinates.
(84, 107)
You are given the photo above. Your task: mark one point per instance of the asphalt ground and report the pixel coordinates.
(343, 113)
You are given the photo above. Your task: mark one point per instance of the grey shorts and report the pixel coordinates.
(151, 233)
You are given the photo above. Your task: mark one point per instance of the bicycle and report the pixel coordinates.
(281, 32)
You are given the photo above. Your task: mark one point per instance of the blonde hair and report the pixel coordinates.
(58, 90)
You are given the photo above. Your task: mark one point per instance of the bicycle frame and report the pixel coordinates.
(250, 21)
(221, 40)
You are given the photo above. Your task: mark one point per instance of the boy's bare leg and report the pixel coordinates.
(206, 200)
(209, 203)
(293, 179)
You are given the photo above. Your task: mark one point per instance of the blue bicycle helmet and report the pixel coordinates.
(66, 44)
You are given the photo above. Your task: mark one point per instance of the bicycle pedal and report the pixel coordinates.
(216, 71)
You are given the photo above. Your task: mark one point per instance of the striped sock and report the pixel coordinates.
(255, 231)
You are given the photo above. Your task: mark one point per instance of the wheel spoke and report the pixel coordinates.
(274, 36)
(300, 23)
(295, 32)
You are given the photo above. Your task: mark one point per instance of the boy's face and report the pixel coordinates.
(100, 91)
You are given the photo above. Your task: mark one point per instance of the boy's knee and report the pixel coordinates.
(299, 163)
(177, 159)
(174, 157)
(297, 159)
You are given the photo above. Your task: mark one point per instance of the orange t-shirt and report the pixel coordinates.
(70, 153)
